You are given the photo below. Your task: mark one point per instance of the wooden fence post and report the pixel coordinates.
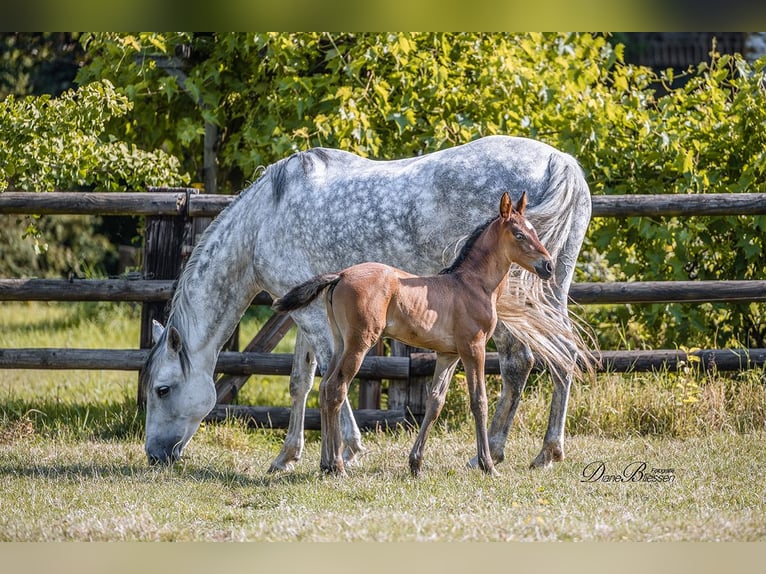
(370, 389)
(164, 237)
(408, 394)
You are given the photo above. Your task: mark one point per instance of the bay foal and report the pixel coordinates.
(453, 313)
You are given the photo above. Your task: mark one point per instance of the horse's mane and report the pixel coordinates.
(467, 246)
(277, 172)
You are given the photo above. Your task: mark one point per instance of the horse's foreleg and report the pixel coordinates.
(301, 379)
(474, 371)
(516, 362)
(445, 368)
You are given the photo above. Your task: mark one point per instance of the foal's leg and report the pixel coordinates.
(445, 368)
(333, 393)
(516, 362)
(473, 361)
(313, 347)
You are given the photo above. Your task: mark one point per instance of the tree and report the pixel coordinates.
(60, 144)
(395, 95)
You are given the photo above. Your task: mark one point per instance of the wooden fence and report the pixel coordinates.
(175, 217)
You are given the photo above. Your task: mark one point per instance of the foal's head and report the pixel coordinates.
(526, 249)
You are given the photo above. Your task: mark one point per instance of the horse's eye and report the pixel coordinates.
(520, 236)
(163, 391)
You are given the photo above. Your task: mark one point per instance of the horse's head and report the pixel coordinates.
(178, 396)
(527, 249)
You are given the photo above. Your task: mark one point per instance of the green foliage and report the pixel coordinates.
(59, 143)
(38, 62)
(52, 246)
(396, 95)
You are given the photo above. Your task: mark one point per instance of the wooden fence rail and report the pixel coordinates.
(383, 367)
(581, 293)
(187, 201)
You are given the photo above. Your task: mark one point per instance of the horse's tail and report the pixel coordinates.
(305, 293)
(535, 312)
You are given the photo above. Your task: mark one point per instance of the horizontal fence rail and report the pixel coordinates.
(187, 201)
(581, 293)
(279, 417)
(383, 367)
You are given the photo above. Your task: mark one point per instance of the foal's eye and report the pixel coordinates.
(163, 391)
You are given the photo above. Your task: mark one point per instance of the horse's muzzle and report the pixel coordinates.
(544, 269)
(162, 456)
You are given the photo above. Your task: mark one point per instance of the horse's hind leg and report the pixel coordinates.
(437, 392)
(516, 362)
(352, 436)
(553, 444)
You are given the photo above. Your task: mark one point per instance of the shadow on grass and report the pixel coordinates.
(181, 470)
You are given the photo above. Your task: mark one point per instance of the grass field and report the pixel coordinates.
(72, 465)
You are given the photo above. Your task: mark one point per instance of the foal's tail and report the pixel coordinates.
(305, 293)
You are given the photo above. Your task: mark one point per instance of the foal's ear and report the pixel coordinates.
(505, 206)
(521, 206)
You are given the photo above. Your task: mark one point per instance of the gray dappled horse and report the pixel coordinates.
(323, 210)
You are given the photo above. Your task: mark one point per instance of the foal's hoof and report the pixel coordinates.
(489, 470)
(492, 472)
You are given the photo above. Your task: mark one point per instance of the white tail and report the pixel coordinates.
(531, 309)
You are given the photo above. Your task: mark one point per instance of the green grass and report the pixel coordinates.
(72, 465)
(103, 490)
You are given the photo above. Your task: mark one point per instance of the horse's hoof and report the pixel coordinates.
(496, 458)
(547, 456)
(351, 455)
(277, 467)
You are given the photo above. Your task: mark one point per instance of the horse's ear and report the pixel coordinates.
(505, 206)
(521, 206)
(174, 340)
(157, 330)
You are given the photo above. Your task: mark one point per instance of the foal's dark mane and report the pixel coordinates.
(467, 246)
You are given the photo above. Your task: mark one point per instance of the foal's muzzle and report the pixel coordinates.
(544, 269)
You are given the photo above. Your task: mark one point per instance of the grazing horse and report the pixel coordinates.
(323, 209)
(453, 313)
